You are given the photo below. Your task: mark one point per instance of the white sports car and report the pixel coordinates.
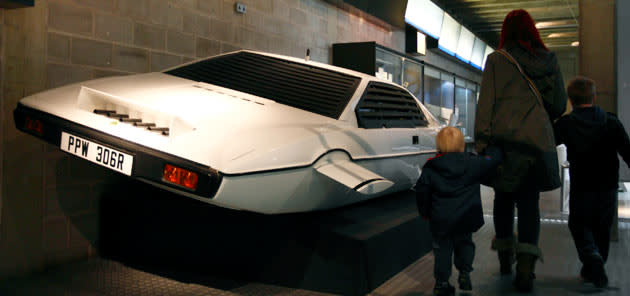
(244, 130)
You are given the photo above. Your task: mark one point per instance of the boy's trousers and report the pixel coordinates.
(590, 220)
(445, 248)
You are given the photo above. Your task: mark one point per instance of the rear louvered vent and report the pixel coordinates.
(384, 105)
(135, 121)
(302, 86)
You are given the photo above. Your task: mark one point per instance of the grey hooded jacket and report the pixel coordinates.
(504, 99)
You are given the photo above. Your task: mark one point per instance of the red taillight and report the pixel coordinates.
(34, 125)
(180, 176)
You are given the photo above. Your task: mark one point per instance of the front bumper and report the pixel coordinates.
(148, 163)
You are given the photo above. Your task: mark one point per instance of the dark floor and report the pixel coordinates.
(558, 275)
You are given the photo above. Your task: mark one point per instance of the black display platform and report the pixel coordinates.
(348, 251)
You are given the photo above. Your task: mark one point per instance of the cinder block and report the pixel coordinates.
(15, 71)
(161, 61)
(104, 73)
(282, 9)
(113, 28)
(254, 19)
(280, 45)
(319, 8)
(90, 52)
(74, 198)
(180, 43)
(149, 36)
(58, 75)
(52, 207)
(291, 32)
(207, 48)
(245, 37)
(320, 41)
(196, 24)
(273, 25)
(298, 50)
(100, 4)
(222, 30)
(192, 4)
(164, 13)
(298, 17)
(261, 42)
(17, 39)
(263, 6)
(137, 9)
(130, 59)
(343, 18)
(226, 47)
(35, 68)
(55, 234)
(58, 48)
(71, 19)
(213, 7)
(319, 24)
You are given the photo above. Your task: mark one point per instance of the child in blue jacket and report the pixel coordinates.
(448, 196)
(593, 139)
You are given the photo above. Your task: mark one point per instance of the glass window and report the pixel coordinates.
(465, 101)
(388, 66)
(412, 78)
(448, 96)
(433, 92)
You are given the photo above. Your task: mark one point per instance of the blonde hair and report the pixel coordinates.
(450, 139)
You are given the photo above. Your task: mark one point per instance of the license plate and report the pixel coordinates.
(96, 153)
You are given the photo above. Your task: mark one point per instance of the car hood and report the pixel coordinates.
(227, 130)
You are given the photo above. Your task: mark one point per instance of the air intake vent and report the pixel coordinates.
(302, 86)
(384, 105)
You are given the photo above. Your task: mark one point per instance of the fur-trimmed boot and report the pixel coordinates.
(505, 249)
(526, 256)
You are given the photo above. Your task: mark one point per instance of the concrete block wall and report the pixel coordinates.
(49, 202)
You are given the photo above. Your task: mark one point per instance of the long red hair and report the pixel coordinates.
(518, 27)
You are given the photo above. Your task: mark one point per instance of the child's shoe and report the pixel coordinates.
(464, 281)
(443, 289)
(598, 274)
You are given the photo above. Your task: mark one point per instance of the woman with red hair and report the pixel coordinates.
(522, 93)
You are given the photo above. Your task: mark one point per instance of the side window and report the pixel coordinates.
(389, 106)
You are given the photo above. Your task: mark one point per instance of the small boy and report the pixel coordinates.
(593, 138)
(448, 195)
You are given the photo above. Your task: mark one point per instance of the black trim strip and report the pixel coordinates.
(366, 182)
(148, 163)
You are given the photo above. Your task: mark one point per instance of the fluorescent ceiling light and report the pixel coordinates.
(560, 35)
(575, 43)
(549, 24)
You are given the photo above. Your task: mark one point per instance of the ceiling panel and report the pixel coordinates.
(485, 17)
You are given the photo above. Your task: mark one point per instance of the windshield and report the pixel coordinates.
(309, 88)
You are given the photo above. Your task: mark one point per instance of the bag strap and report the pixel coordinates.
(531, 84)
